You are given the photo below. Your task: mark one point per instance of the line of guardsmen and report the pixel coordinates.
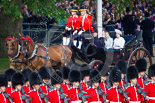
(78, 26)
(80, 84)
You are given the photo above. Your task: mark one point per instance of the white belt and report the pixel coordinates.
(153, 98)
(115, 102)
(134, 101)
(96, 102)
(76, 101)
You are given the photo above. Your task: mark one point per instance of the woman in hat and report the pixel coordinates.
(71, 25)
(119, 41)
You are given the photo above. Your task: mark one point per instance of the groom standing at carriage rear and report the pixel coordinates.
(71, 25)
(84, 25)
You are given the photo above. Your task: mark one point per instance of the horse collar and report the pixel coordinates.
(34, 52)
(17, 54)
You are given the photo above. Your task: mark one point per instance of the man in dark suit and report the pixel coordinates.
(147, 25)
(129, 23)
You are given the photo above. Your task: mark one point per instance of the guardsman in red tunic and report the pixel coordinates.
(65, 72)
(133, 94)
(85, 71)
(55, 94)
(35, 82)
(45, 79)
(121, 64)
(74, 78)
(114, 96)
(9, 73)
(84, 25)
(71, 25)
(94, 96)
(17, 83)
(26, 73)
(150, 88)
(3, 84)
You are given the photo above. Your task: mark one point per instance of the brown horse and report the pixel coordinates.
(15, 58)
(38, 55)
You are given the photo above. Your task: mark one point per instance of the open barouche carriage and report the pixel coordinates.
(133, 50)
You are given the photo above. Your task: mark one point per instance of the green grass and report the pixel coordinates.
(4, 63)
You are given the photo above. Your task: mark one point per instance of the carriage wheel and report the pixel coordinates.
(138, 53)
(90, 50)
(95, 63)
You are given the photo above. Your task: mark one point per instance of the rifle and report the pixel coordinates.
(108, 85)
(42, 96)
(126, 83)
(121, 91)
(100, 92)
(145, 80)
(81, 94)
(50, 87)
(63, 96)
(8, 96)
(140, 91)
(24, 96)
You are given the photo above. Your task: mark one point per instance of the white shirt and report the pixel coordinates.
(119, 42)
(108, 43)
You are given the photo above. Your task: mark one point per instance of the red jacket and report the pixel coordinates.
(150, 88)
(16, 95)
(34, 95)
(102, 85)
(3, 99)
(121, 83)
(9, 90)
(85, 23)
(93, 95)
(133, 94)
(73, 94)
(84, 86)
(72, 22)
(55, 97)
(26, 89)
(114, 95)
(140, 82)
(44, 88)
(65, 88)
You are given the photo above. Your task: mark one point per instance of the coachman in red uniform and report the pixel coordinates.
(121, 64)
(3, 85)
(26, 73)
(9, 73)
(85, 72)
(65, 85)
(17, 83)
(74, 78)
(35, 82)
(95, 79)
(45, 79)
(113, 93)
(71, 25)
(84, 25)
(150, 88)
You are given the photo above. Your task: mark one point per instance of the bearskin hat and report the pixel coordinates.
(65, 72)
(74, 76)
(95, 76)
(44, 73)
(9, 72)
(141, 65)
(85, 70)
(56, 78)
(17, 78)
(3, 80)
(35, 79)
(115, 75)
(26, 73)
(121, 64)
(132, 73)
(151, 71)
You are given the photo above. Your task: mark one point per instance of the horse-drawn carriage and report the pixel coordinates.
(133, 50)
